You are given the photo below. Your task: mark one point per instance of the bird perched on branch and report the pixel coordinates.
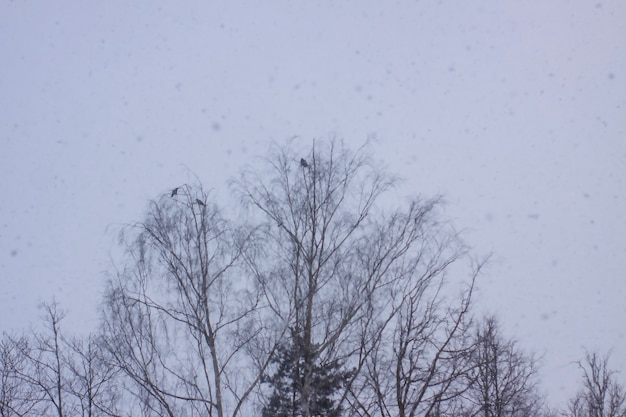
(200, 202)
(304, 163)
(174, 191)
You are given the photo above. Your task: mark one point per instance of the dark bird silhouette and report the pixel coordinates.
(174, 191)
(304, 163)
(200, 202)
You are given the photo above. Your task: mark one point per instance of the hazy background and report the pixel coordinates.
(515, 111)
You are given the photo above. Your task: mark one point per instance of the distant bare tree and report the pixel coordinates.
(17, 398)
(601, 394)
(91, 380)
(44, 373)
(503, 379)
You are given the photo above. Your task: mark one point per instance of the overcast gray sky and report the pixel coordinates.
(515, 111)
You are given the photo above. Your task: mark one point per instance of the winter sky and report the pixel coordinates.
(515, 111)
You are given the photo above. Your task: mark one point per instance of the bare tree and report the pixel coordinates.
(44, 371)
(91, 380)
(179, 317)
(601, 394)
(203, 309)
(17, 398)
(503, 379)
(312, 274)
(420, 354)
(132, 345)
(347, 277)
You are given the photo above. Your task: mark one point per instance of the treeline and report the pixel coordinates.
(46, 374)
(314, 299)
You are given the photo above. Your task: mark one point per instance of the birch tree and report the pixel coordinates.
(355, 282)
(503, 380)
(180, 316)
(601, 394)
